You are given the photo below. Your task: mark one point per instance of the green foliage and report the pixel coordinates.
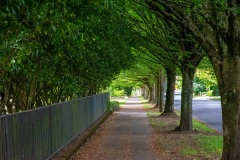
(209, 93)
(189, 151)
(205, 79)
(52, 51)
(157, 42)
(137, 76)
(198, 88)
(215, 98)
(202, 127)
(148, 106)
(117, 92)
(211, 144)
(128, 91)
(215, 90)
(156, 124)
(112, 105)
(208, 145)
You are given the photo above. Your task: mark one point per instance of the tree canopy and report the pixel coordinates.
(52, 51)
(215, 27)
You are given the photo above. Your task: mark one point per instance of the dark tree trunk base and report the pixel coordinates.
(155, 106)
(169, 102)
(178, 129)
(169, 115)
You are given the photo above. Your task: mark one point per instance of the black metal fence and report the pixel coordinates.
(38, 134)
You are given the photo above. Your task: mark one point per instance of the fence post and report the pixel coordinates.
(6, 137)
(50, 128)
(33, 136)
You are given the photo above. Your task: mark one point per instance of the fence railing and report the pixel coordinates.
(38, 134)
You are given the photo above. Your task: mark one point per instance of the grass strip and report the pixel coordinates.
(122, 103)
(199, 126)
(147, 106)
(156, 124)
(215, 98)
(189, 151)
(210, 144)
(206, 141)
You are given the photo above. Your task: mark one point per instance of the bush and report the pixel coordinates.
(118, 93)
(198, 88)
(113, 106)
(215, 90)
(128, 91)
(209, 93)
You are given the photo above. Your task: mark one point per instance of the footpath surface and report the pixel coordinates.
(126, 135)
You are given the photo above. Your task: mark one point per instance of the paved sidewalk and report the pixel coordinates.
(126, 137)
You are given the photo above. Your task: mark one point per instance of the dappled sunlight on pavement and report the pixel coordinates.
(132, 114)
(132, 106)
(132, 103)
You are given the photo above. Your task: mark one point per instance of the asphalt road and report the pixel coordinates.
(207, 111)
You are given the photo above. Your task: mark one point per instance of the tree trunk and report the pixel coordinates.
(228, 76)
(160, 91)
(171, 80)
(10, 100)
(161, 104)
(151, 96)
(32, 93)
(154, 93)
(222, 47)
(145, 92)
(186, 99)
(6, 89)
(149, 93)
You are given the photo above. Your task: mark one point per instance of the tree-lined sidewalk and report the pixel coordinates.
(125, 135)
(129, 134)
